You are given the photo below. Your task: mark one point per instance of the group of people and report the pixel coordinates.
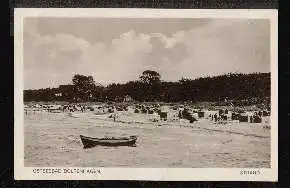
(73, 108)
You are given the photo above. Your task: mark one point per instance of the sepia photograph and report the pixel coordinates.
(158, 91)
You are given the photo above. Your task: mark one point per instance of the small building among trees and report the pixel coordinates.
(128, 98)
(58, 94)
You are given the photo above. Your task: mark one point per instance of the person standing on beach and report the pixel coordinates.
(115, 114)
(215, 118)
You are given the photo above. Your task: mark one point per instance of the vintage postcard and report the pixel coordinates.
(146, 94)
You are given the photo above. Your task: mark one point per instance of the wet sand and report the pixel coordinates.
(52, 139)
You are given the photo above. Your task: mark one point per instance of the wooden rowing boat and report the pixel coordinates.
(89, 142)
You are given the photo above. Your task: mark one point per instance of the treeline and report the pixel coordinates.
(150, 88)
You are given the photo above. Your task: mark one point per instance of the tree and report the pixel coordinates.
(152, 86)
(150, 77)
(114, 91)
(135, 89)
(67, 92)
(82, 80)
(84, 87)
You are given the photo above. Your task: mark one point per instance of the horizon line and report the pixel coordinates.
(106, 85)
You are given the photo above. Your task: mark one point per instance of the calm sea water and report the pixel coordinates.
(53, 140)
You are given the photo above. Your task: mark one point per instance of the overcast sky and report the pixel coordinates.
(119, 50)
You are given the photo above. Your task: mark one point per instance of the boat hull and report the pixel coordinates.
(89, 142)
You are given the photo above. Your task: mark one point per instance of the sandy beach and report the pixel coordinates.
(52, 139)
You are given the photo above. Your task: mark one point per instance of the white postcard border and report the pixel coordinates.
(166, 174)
